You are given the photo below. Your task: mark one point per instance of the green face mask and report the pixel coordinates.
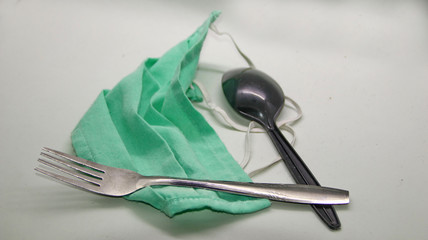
(147, 124)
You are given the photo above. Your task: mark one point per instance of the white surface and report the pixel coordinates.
(359, 69)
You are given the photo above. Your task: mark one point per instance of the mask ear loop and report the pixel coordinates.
(283, 125)
(214, 28)
(224, 117)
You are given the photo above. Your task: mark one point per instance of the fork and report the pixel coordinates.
(117, 182)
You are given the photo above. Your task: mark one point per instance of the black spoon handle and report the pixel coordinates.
(302, 175)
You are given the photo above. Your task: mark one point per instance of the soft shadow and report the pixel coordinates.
(278, 206)
(63, 199)
(185, 224)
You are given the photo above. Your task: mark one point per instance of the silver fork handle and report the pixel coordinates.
(294, 193)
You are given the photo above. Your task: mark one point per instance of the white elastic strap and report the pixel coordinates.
(247, 59)
(262, 169)
(247, 154)
(283, 125)
(248, 148)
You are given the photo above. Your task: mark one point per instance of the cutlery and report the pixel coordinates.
(257, 97)
(112, 181)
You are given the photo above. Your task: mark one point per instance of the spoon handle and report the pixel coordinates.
(302, 175)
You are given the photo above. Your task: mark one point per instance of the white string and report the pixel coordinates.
(247, 59)
(247, 153)
(282, 125)
(262, 169)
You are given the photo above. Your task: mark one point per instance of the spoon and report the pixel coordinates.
(257, 97)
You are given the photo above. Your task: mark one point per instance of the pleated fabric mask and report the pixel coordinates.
(147, 124)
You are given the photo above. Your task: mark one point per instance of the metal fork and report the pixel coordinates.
(112, 181)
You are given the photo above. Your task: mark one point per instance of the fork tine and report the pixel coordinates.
(75, 159)
(74, 182)
(71, 172)
(74, 166)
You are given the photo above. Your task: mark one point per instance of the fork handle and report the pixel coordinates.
(294, 193)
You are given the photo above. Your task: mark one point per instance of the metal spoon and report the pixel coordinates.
(257, 97)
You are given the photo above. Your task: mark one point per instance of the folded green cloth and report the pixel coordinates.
(147, 124)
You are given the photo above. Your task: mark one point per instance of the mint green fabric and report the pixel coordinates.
(147, 124)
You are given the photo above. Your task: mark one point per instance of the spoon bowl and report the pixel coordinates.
(254, 95)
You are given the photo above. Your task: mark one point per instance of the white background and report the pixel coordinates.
(359, 70)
